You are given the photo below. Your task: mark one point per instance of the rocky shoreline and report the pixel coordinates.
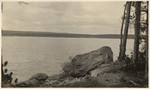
(92, 69)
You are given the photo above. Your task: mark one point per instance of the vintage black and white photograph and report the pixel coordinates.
(74, 44)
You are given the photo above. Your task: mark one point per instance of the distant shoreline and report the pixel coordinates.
(65, 35)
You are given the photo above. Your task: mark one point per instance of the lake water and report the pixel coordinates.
(27, 56)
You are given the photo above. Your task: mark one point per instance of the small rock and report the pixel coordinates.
(39, 77)
(35, 81)
(29, 83)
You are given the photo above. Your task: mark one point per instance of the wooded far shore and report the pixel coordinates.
(66, 35)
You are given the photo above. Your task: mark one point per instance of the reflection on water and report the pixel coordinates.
(31, 55)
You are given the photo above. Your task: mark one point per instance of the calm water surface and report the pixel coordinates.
(27, 56)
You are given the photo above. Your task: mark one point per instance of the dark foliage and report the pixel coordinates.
(7, 79)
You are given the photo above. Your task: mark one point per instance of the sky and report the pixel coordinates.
(64, 17)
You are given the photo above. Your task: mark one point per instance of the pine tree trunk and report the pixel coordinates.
(146, 59)
(137, 31)
(123, 48)
(123, 19)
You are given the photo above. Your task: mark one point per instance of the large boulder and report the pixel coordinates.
(82, 64)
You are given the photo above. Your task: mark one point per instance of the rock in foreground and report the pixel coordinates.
(93, 69)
